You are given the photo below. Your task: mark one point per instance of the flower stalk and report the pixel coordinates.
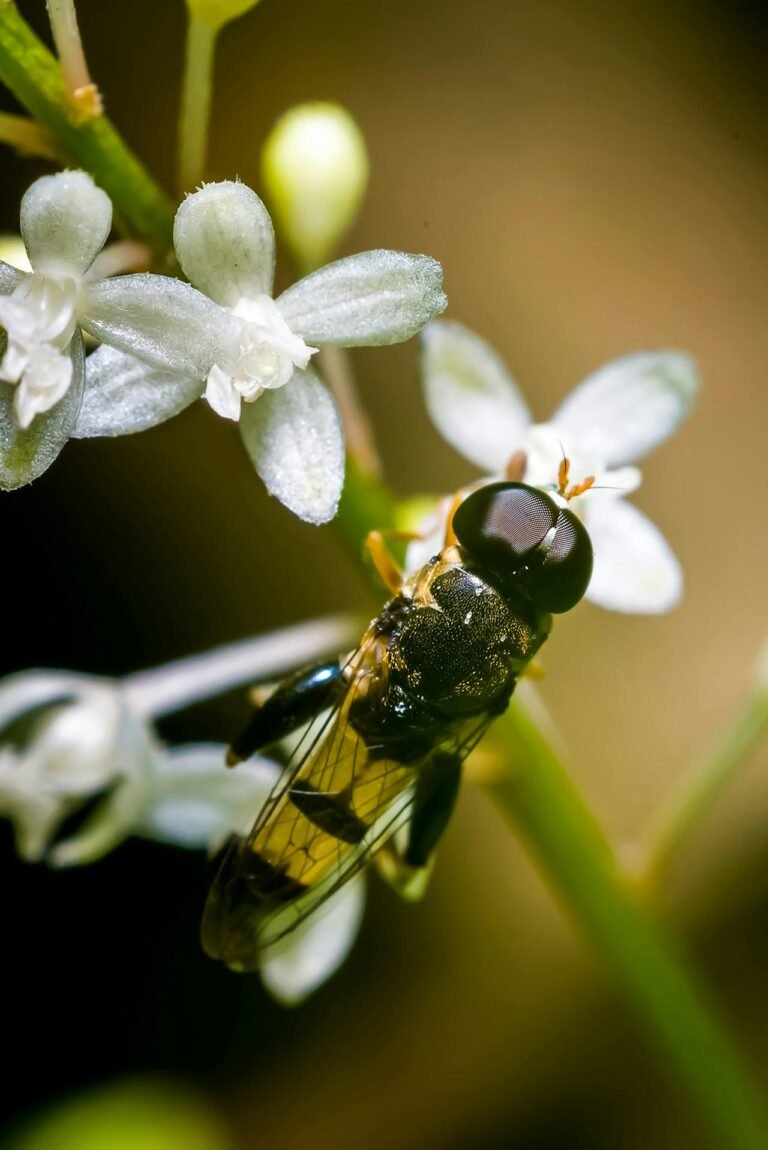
(69, 45)
(196, 98)
(35, 77)
(538, 797)
(689, 802)
(184, 682)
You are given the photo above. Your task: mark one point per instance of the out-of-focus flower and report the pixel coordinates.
(613, 418)
(249, 346)
(315, 169)
(67, 738)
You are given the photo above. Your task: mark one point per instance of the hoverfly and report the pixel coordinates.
(391, 725)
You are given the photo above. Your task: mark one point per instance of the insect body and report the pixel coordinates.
(430, 674)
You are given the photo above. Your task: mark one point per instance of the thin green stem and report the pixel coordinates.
(36, 80)
(539, 798)
(69, 45)
(196, 96)
(688, 803)
(27, 136)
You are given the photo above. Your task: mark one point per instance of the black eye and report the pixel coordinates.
(560, 582)
(523, 537)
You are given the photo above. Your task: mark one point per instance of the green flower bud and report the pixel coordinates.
(315, 170)
(219, 12)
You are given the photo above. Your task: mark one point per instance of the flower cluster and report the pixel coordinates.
(609, 421)
(165, 342)
(67, 740)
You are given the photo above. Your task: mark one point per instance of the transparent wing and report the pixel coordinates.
(336, 804)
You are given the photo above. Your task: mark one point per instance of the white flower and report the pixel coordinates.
(249, 353)
(609, 421)
(67, 738)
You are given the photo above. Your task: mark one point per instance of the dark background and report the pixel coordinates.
(594, 178)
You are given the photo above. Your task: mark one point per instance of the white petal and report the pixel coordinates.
(28, 690)
(471, 397)
(45, 380)
(65, 222)
(195, 801)
(123, 395)
(294, 438)
(10, 277)
(225, 242)
(160, 320)
(304, 959)
(26, 453)
(629, 406)
(635, 570)
(222, 395)
(374, 298)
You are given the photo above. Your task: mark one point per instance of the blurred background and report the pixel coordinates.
(594, 178)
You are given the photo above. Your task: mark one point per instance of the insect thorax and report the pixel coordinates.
(449, 646)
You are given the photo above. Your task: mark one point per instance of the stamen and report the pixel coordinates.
(579, 488)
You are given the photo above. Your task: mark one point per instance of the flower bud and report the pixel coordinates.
(315, 170)
(219, 12)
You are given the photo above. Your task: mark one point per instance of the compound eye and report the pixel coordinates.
(502, 524)
(560, 582)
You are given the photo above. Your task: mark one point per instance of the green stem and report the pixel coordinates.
(682, 811)
(540, 799)
(196, 96)
(573, 854)
(35, 78)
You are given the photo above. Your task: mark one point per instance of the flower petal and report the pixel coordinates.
(27, 691)
(472, 399)
(195, 801)
(294, 438)
(160, 320)
(26, 454)
(304, 959)
(629, 406)
(225, 242)
(10, 277)
(374, 298)
(635, 571)
(65, 222)
(123, 395)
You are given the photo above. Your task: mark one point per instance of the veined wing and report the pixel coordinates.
(335, 805)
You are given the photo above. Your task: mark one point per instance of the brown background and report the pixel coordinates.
(594, 178)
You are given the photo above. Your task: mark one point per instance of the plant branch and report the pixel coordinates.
(177, 685)
(539, 798)
(196, 97)
(33, 75)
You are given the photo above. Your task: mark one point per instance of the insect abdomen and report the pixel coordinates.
(327, 810)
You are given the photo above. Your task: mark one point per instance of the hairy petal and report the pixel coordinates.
(65, 222)
(160, 320)
(225, 242)
(124, 395)
(10, 277)
(294, 438)
(471, 397)
(306, 958)
(629, 406)
(26, 453)
(635, 570)
(378, 297)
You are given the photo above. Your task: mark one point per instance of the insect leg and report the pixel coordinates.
(381, 557)
(406, 865)
(297, 700)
